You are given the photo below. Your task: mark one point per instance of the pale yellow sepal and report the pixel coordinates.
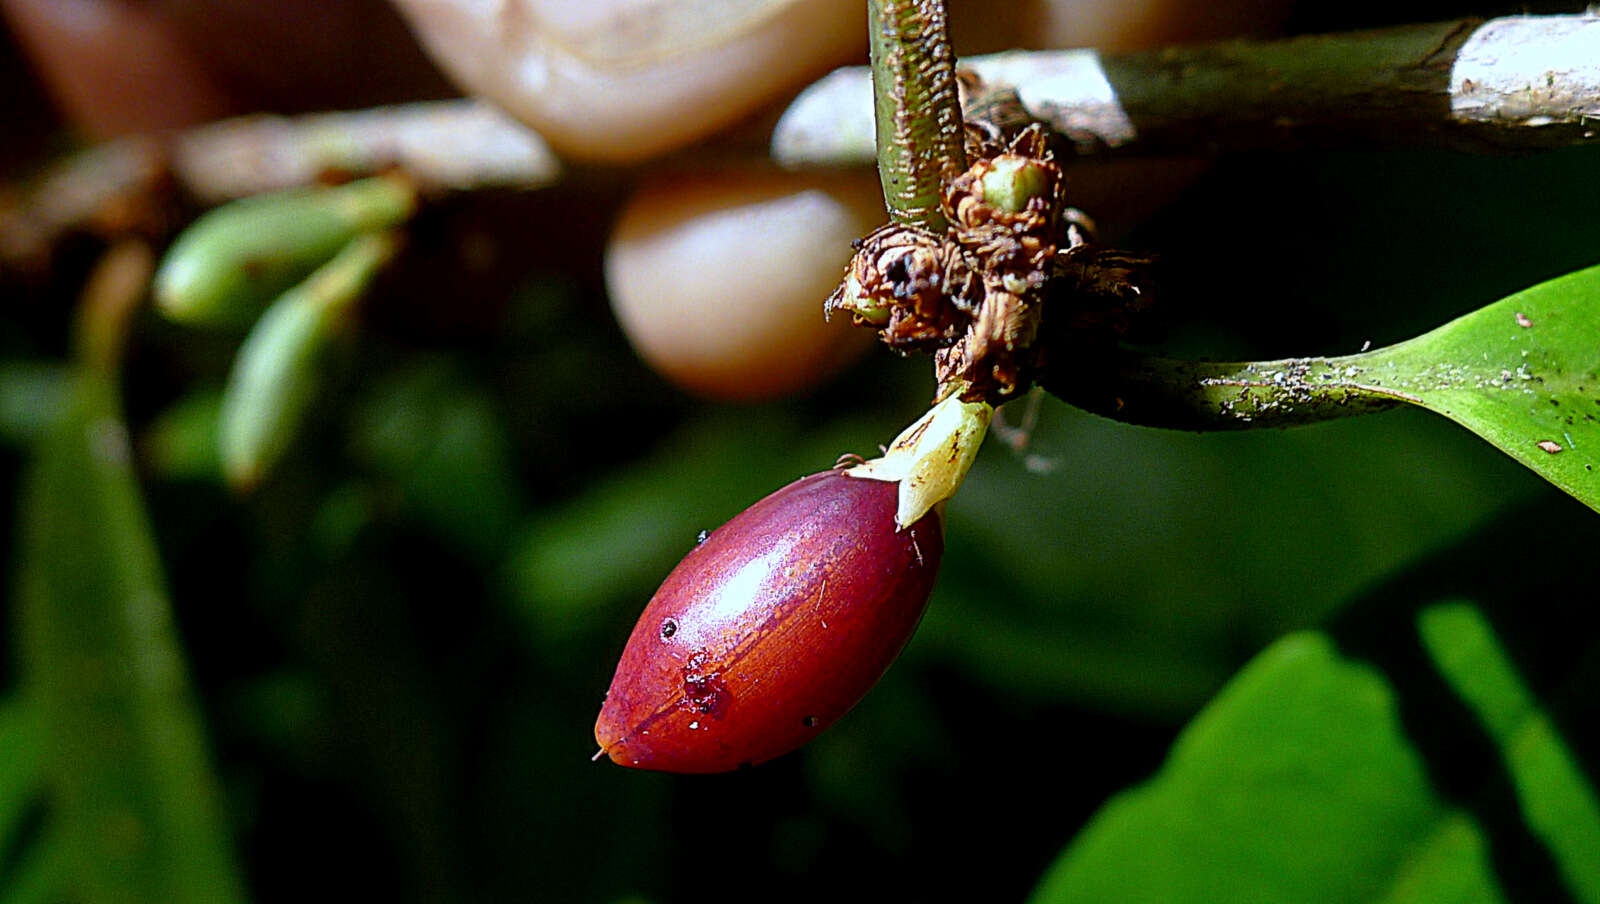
(930, 458)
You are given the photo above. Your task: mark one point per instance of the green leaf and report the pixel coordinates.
(1555, 799)
(1295, 784)
(1411, 753)
(1523, 373)
(132, 800)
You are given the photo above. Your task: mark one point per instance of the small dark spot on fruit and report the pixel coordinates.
(669, 628)
(809, 721)
(857, 243)
(704, 692)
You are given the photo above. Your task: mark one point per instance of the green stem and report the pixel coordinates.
(917, 107)
(1205, 395)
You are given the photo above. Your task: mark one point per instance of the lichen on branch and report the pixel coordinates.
(1513, 84)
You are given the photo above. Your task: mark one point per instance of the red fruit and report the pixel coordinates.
(771, 628)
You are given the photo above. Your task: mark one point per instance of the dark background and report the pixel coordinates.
(402, 640)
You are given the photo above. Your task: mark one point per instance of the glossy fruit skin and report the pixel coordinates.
(771, 628)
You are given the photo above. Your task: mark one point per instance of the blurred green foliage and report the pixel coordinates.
(21, 768)
(1296, 784)
(1402, 755)
(132, 804)
(400, 640)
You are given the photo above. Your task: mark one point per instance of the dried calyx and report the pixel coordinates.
(975, 295)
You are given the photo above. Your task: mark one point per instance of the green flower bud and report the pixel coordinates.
(226, 266)
(852, 297)
(278, 370)
(1012, 181)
